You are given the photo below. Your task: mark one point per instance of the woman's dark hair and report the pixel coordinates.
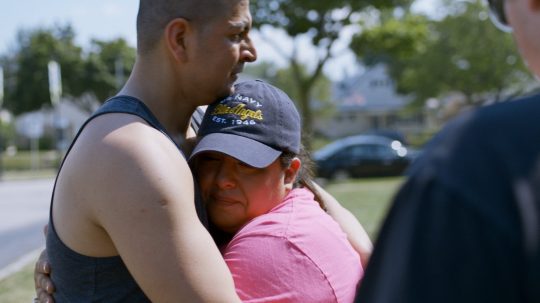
(304, 178)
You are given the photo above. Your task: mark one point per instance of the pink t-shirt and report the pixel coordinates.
(294, 253)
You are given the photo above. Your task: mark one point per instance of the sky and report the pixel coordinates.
(111, 19)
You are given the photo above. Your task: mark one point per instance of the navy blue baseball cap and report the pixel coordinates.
(255, 125)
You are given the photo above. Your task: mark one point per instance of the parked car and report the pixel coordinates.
(362, 156)
(388, 133)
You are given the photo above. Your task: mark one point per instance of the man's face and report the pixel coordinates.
(223, 46)
(235, 192)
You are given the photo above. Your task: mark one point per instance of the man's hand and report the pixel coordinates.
(42, 280)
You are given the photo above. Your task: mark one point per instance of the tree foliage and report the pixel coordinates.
(107, 67)
(27, 87)
(462, 52)
(321, 22)
(26, 73)
(284, 79)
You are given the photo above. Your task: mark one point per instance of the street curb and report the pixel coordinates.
(20, 263)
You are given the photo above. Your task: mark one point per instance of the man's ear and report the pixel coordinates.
(176, 38)
(291, 172)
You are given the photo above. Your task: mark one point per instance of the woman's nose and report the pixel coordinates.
(225, 178)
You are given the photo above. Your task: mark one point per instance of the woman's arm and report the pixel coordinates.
(356, 234)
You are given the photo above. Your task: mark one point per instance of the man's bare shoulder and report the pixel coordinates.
(118, 167)
(127, 159)
(115, 137)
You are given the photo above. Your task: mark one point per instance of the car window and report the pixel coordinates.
(385, 152)
(329, 150)
(344, 153)
(365, 151)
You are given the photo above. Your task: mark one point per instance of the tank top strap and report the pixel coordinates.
(131, 105)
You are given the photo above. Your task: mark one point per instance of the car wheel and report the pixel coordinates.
(341, 174)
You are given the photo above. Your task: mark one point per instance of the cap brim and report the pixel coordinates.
(241, 148)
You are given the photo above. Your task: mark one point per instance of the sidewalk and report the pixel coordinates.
(25, 207)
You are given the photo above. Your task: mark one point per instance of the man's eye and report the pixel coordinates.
(238, 37)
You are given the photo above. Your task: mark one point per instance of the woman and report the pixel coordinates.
(284, 247)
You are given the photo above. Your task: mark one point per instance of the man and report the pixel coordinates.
(126, 190)
(124, 197)
(466, 226)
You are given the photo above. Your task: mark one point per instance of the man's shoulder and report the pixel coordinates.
(487, 130)
(514, 115)
(481, 152)
(120, 146)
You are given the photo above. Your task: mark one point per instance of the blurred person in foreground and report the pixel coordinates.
(465, 227)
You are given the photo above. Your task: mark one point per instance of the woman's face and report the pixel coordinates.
(235, 192)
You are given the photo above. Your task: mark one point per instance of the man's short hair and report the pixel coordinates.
(154, 15)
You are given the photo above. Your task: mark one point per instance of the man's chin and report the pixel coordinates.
(227, 92)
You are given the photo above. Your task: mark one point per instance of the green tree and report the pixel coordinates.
(429, 58)
(284, 79)
(28, 84)
(100, 72)
(321, 22)
(107, 66)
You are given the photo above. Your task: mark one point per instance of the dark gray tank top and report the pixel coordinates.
(80, 278)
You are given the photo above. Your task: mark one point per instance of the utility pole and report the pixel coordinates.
(55, 82)
(55, 90)
(1, 122)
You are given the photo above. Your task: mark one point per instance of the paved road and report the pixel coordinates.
(24, 207)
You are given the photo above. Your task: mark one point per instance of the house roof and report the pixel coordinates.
(372, 90)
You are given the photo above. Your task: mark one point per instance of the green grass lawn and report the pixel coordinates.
(18, 287)
(26, 160)
(367, 199)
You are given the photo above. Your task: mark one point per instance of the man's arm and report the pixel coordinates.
(145, 205)
(148, 212)
(43, 284)
(356, 233)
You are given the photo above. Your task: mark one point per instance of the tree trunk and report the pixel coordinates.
(307, 117)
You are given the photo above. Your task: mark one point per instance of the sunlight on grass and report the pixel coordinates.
(367, 199)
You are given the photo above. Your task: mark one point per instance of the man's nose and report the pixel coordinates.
(248, 51)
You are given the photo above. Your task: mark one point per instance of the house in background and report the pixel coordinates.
(366, 102)
(60, 124)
